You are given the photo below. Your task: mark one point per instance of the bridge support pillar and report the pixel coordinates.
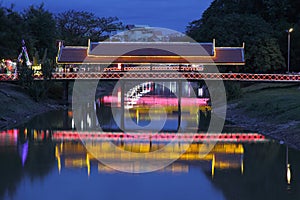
(122, 124)
(179, 94)
(65, 119)
(66, 93)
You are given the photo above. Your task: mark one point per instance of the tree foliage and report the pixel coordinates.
(75, 27)
(40, 27)
(261, 24)
(11, 31)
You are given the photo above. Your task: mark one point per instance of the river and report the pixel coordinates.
(53, 156)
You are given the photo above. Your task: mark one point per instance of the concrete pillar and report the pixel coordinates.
(122, 82)
(66, 93)
(65, 119)
(179, 89)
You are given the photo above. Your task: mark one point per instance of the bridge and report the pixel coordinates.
(148, 61)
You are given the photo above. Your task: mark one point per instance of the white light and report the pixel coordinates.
(288, 174)
(73, 124)
(200, 92)
(89, 120)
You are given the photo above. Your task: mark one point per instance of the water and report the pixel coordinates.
(41, 161)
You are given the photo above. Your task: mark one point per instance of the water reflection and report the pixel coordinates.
(70, 154)
(223, 156)
(155, 107)
(244, 170)
(45, 158)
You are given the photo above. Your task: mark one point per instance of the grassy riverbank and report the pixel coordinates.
(271, 109)
(16, 106)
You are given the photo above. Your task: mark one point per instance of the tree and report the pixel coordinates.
(277, 15)
(75, 27)
(11, 30)
(262, 53)
(40, 27)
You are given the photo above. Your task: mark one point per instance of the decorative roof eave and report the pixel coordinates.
(216, 64)
(149, 60)
(220, 56)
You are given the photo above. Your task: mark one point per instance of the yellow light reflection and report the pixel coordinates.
(213, 166)
(88, 164)
(57, 156)
(35, 134)
(222, 156)
(173, 168)
(137, 116)
(288, 174)
(242, 166)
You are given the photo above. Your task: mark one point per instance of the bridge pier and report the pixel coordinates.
(65, 119)
(122, 105)
(179, 89)
(66, 93)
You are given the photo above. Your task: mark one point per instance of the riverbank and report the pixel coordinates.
(17, 107)
(270, 109)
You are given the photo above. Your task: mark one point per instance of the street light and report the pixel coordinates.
(289, 46)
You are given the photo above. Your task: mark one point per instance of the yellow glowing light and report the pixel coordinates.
(290, 30)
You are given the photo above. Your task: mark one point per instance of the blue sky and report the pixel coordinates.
(172, 14)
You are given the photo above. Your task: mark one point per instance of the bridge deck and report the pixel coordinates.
(166, 75)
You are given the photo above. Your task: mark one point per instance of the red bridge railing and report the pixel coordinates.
(166, 75)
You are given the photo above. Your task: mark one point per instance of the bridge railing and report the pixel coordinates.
(181, 75)
(165, 75)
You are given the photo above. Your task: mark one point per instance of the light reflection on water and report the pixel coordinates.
(37, 165)
(230, 170)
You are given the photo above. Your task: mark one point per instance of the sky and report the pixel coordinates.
(171, 14)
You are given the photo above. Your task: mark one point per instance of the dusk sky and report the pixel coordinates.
(172, 14)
